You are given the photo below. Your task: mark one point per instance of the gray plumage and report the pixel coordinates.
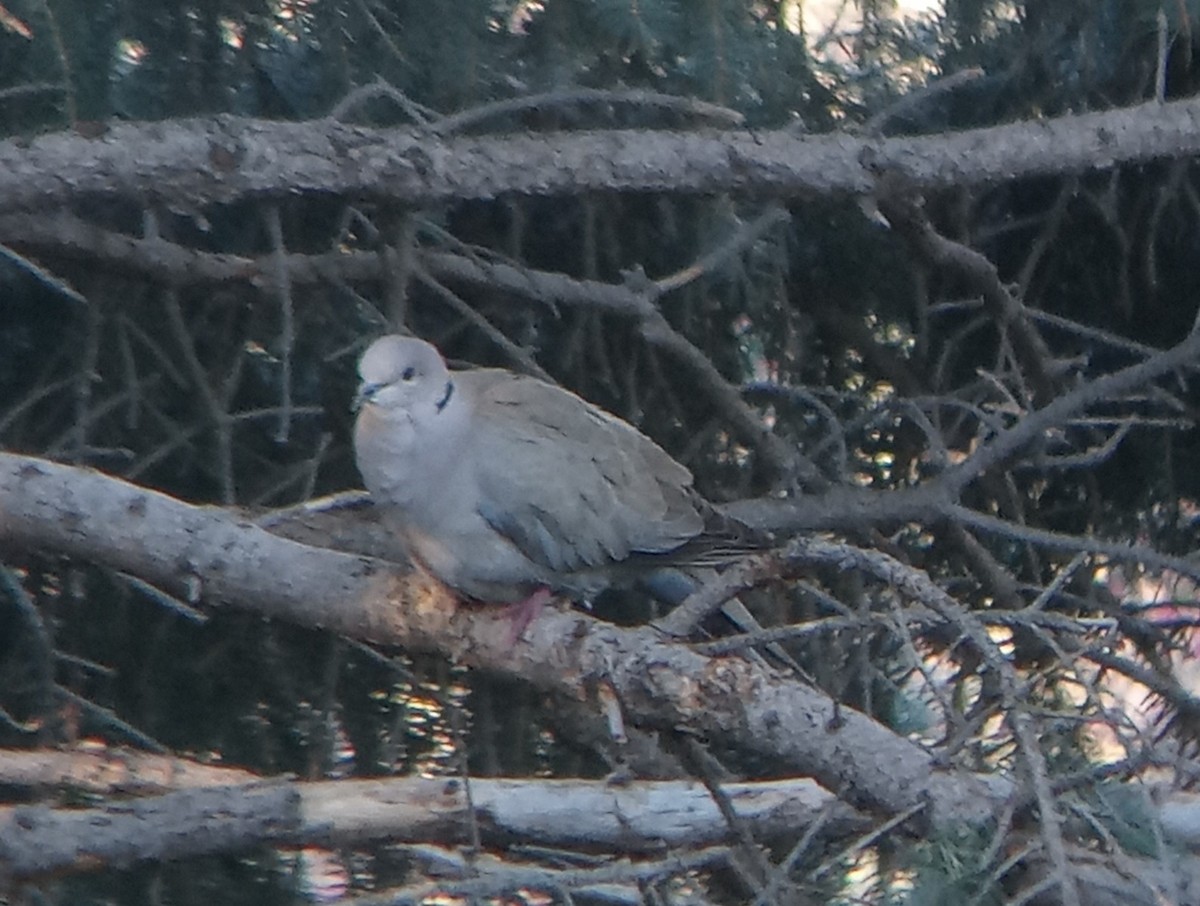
(501, 484)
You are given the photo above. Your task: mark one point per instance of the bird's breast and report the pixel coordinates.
(387, 454)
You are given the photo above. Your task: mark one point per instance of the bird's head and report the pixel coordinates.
(403, 375)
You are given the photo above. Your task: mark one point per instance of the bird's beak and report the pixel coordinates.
(366, 393)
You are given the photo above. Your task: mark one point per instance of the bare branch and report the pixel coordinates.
(227, 158)
(172, 545)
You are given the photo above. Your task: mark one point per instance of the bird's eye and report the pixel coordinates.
(408, 373)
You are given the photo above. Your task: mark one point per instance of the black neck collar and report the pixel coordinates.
(441, 404)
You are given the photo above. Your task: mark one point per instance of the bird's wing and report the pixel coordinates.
(570, 485)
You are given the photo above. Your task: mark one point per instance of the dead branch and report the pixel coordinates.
(221, 159)
(659, 684)
(640, 819)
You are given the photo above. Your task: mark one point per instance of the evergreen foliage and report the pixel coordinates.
(840, 334)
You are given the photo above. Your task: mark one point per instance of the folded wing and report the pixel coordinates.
(571, 486)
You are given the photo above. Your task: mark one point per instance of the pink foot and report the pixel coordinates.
(522, 613)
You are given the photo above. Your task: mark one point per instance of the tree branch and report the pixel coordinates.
(659, 684)
(225, 158)
(193, 809)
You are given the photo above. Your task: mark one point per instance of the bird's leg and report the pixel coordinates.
(522, 613)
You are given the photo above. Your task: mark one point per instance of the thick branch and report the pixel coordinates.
(222, 159)
(640, 818)
(636, 819)
(36, 840)
(46, 506)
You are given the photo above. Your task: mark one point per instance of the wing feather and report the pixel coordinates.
(570, 485)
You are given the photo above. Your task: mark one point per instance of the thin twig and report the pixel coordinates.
(287, 328)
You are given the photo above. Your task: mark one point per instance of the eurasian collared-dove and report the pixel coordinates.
(504, 486)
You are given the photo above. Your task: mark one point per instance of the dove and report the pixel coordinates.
(507, 488)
